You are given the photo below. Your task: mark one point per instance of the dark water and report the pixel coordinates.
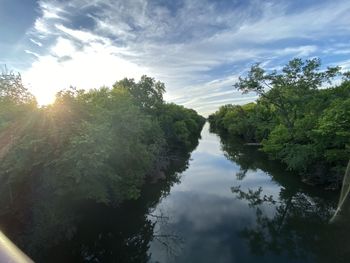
(227, 203)
(234, 205)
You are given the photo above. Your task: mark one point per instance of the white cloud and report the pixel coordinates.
(198, 51)
(41, 27)
(91, 67)
(345, 65)
(63, 47)
(50, 10)
(83, 36)
(32, 53)
(36, 42)
(301, 51)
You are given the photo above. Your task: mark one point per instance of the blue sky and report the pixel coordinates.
(198, 48)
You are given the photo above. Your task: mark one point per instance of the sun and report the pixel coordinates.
(45, 98)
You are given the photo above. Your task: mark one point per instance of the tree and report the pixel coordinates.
(97, 145)
(289, 90)
(15, 100)
(333, 134)
(148, 93)
(12, 89)
(297, 119)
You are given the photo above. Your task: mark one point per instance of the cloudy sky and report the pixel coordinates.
(197, 47)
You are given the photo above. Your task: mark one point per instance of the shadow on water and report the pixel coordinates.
(63, 230)
(299, 226)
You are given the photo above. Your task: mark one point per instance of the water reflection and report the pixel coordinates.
(235, 205)
(227, 203)
(63, 230)
(299, 225)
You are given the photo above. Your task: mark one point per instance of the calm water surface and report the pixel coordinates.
(224, 203)
(234, 205)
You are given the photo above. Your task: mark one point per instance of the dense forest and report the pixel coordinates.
(88, 151)
(98, 145)
(302, 118)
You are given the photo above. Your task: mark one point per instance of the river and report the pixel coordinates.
(225, 203)
(234, 205)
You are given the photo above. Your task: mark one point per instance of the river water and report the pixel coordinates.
(225, 203)
(234, 205)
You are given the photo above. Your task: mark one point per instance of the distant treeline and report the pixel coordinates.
(97, 145)
(299, 118)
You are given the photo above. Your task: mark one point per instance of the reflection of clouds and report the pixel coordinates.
(200, 176)
(209, 143)
(204, 212)
(271, 213)
(205, 222)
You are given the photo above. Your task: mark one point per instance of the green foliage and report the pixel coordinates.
(333, 130)
(148, 93)
(289, 90)
(12, 89)
(181, 126)
(240, 121)
(297, 120)
(15, 100)
(92, 145)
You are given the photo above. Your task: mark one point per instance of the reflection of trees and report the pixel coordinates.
(299, 225)
(248, 157)
(295, 228)
(169, 240)
(57, 229)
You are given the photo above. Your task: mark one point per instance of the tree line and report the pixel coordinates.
(301, 118)
(98, 145)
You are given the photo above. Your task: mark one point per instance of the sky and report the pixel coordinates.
(198, 48)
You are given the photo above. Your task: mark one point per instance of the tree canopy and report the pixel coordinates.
(95, 145)
(300, 118)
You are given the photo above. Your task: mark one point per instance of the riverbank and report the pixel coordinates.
(224, 202)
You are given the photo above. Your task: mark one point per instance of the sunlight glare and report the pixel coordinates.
(45, 98)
